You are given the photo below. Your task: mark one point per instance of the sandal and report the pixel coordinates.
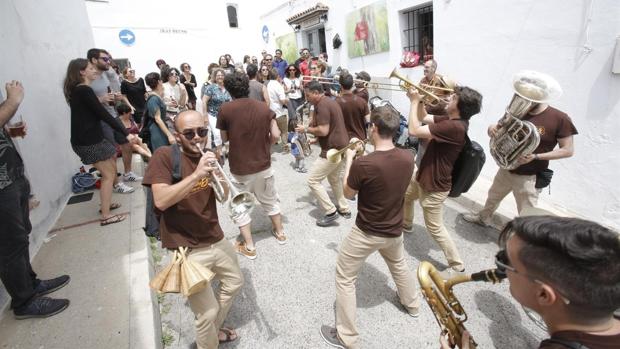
(112, 219)
(229, 335)
(113, 206)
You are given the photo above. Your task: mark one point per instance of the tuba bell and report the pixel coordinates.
(446, 307)
(516, 137)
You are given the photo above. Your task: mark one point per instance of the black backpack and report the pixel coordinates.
(467, 167)
(145, 131)
(151, 226)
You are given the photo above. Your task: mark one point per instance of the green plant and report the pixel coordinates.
(166, 338)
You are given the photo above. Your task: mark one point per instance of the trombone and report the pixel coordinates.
(335, 156)
(428, 97)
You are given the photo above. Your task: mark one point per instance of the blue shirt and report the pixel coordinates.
(217, 97)
(280, 66)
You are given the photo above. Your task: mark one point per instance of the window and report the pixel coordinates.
(418, 33)
(232, 16)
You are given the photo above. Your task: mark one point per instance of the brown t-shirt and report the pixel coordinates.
(354, 110)
(327, 112)
(589, 340)
(191, 222)
(248, 123)
(362, 93)
(552, 124)
(382, 178)
(435, 173)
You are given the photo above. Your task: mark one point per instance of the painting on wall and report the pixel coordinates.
(288, 44)
(367, 30)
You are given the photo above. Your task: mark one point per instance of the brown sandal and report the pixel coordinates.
(113, 206)
(112, 219)
(229, 335)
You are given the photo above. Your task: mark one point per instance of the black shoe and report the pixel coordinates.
(51, 285)
(41, 307)
(346, 215)
(327, 219)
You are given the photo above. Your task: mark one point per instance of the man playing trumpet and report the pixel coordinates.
(433, 180)
(328, 126)
(189, 219)
(381, 179)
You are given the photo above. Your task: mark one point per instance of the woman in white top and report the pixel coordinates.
(175, 95)
(292, 88)
(277, 101)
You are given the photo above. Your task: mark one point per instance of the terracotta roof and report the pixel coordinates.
(319, 7)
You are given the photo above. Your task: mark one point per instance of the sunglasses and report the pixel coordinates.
(503, 264)
(173, 74)
(131, 71)
(292, 69)
(264, 70)
(105, 59)
(190, 134)
(270, 59)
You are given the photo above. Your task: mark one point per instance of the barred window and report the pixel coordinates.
(419, 31)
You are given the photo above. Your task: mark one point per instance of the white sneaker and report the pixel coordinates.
(123, 188)
(474, 218)
(131, 177)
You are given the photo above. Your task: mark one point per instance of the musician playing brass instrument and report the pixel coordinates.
(554, 128)
(432, 79)
(379, 180)
(567, 270)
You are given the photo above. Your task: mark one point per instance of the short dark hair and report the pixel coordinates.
(469, 103)
(123, 108)
(251, 70)
(386, 120)
(152, 79)
(278, 50)
(165, 74)
(579, 257)
(273, 74)
(93, 53)
(237, 84)
(346, 81)
(314, 86)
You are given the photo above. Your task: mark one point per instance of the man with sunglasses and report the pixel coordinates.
(103, 87)
(568, 271)
(250, 127)
(189, 219)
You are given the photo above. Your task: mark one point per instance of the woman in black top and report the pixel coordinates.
(87, 138)
(189, 80)
(134, 89)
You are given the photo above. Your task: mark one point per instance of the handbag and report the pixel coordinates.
(80, 182)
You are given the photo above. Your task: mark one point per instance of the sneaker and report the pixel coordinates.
(450, 273)
(131, 177)
(301, 169)
(123, 188)
(330, 336)
(41, 307)
(346, 214)
(280, 238)
(48, 286)
(327, 219)
(243, 250)
(413, 313)
(474, 218)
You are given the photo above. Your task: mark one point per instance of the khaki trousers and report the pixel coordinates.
(263, 185)
(432, 209)
(521, 186)
(320, 170)
(211, 308)
(282, 122)
(355, 248)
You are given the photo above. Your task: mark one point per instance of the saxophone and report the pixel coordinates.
(515, 137)
(302, 111)
(447, 309)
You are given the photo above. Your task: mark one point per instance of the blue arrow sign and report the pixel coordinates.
(127, 37)
(265, 34)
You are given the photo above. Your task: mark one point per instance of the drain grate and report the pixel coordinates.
(80, 198)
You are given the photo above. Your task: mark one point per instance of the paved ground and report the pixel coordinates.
(289, 290)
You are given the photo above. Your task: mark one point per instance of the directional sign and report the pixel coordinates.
(127, 37)
(265, 34)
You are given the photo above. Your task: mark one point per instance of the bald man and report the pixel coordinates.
(189, 219)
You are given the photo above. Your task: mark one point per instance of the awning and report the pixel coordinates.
(315, 10)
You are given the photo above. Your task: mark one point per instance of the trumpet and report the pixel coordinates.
(334, 80)
(335, 155)
(239, 202)
(428, 97)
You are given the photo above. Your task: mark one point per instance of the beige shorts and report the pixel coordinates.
(262, 185)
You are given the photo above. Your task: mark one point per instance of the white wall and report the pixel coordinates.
(482, 43)
(207, 33)
(39, 38)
